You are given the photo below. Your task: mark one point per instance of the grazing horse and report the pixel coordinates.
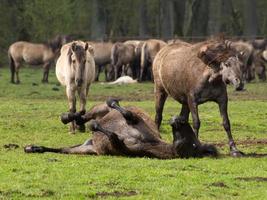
(34, 54)
(130, 132)
(195, 74)
(75, 69)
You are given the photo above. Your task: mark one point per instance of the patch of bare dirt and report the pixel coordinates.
(10, 146)
(116, 194)
(258, 179)
(219, 184)
(248, 142)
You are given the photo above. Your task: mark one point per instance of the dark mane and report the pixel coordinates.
(79, 52)
(216, 53)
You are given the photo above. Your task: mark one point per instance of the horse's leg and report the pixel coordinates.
(160, 98)
(17, 66)
(223, 104)
(185, 112)
(82, 92)
(193, 107)
(72, 104)
(116, 71)
(86, 148)
(130, 117)
(46, 72)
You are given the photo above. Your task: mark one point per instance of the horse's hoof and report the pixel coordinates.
(237, 154)
(44, 81)
(81, 128)
(33, 149)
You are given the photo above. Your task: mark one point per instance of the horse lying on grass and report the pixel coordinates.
(130, 132)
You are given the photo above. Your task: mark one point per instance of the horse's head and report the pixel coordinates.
(77, 60)
(225, 60)
(57, 42)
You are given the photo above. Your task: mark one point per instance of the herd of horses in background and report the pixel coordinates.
(191, 73)
(133, 58)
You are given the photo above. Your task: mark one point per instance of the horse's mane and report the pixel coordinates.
(79, 52)
(216, 52)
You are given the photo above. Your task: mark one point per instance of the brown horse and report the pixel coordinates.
(195, 74)
(34, 54)
(131, 132)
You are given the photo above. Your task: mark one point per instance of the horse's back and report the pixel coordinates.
(31, 53)
(62, 63)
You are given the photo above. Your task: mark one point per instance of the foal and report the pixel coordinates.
(130, 132)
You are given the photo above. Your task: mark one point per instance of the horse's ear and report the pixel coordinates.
(90, 48)
(73, 46)
(202, 54)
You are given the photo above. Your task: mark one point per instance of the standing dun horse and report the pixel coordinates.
(75, 69)
(34, 54)
(195, 74)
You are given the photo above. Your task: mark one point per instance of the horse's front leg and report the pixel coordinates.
(193, 107)
(70, 90)
(83, 92)
(46, 72)
(223, 103)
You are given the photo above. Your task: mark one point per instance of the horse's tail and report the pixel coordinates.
(208, 150)
(11, 65)
(143, 60)
(114, 54)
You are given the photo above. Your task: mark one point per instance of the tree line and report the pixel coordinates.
(39, 20)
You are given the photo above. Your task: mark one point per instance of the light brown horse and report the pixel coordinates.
(34, 54)
(75, 69)
(195, 74)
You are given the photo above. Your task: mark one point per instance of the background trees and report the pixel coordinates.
(39, 20)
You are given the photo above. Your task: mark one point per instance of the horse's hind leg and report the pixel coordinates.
(17, 66)
(85, 148)
(160, 98)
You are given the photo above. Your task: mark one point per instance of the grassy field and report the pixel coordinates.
(30, 115)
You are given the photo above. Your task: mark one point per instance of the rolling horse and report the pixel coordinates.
(130, 132)
(34, 54)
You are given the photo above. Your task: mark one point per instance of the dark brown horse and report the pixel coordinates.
(34, 54)
(131, 132)
(195, 74)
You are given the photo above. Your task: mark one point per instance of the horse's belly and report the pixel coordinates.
(33, 60)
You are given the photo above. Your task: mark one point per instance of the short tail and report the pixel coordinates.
(11, 65)
(143, 60)
(208, 150)
(114, 54)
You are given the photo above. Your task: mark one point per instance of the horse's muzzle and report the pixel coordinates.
(79, 82)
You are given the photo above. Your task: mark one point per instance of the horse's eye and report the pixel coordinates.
(74, 61)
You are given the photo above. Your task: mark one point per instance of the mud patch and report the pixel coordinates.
(10, 146)
(219, 184)
(247, 142)
(55, 88)
(35, 84)
(258, 179)
(116, 194)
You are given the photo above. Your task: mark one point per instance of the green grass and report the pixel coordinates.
(30, 115)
